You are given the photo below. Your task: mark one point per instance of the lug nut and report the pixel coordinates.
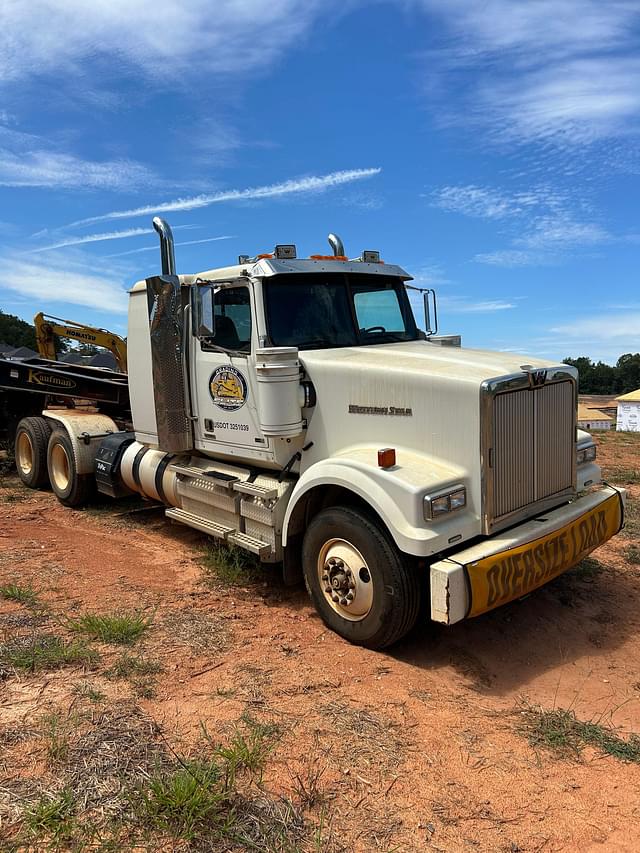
(335, 596)
(343, 601)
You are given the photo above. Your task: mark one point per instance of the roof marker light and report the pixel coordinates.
(328, 257)
(285, 252)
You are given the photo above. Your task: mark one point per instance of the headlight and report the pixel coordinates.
(442, 503)
(586, 454)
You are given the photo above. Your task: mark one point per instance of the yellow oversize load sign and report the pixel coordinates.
(513, 573)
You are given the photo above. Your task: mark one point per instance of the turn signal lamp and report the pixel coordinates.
(437, 505)
(387, 457)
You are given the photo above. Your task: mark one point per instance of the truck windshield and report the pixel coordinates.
(321, 310)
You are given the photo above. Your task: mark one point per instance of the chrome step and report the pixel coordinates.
(250, 543)
(200, 523)
(207, 474)
(267, 493)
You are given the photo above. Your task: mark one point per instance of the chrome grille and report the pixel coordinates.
(532, 447)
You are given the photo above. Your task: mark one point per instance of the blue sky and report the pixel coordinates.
(491, 147)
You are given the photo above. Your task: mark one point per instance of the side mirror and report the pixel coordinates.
(202, 322)
(428, 295)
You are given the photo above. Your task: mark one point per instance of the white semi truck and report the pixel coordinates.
(293, 408)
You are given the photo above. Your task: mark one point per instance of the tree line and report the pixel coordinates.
(600, 378)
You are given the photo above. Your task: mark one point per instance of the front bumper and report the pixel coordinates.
(517, 561)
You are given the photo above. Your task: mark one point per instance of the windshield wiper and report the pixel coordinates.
(317, 342)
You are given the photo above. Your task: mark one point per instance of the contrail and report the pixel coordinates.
(185, 243)
(313, 183)
(97, 238)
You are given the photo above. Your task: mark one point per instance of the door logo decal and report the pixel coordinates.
(228, 388)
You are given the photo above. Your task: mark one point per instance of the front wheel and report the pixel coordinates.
(362, 586)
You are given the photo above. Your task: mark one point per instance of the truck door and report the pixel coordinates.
(223, 384)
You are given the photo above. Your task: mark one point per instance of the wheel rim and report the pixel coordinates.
(25, 453)
(60, 467)
(345, 579)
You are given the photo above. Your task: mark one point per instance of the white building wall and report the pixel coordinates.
(628, 417)
(589, 424)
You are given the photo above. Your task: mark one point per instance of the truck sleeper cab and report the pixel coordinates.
(293, 408)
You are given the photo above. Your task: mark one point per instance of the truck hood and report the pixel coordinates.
(421, 358)
(420, 398)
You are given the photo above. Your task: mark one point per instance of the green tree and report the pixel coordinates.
(16, 332)
(628, 368)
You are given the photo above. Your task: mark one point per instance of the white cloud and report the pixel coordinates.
(604, 328)
(161, 40)
(67, 284)
(549, 223)
(511, 258)
(430, 275)
(482, 202)
(29, 161)
(565, 71)
(453, 305)
(573, 103)
(311, 184)
(561, 230)
(41, 168)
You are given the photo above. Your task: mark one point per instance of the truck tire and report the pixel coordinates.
(32, 438)
(71, 488)
(363, 588)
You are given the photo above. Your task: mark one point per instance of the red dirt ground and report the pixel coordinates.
(419, 747)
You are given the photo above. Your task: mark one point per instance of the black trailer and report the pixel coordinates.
(27, 386)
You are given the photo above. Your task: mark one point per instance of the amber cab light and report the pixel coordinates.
(387, 457)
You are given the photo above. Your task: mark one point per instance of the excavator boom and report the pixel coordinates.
(48, 327)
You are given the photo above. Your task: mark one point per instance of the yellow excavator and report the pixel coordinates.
(48, 327)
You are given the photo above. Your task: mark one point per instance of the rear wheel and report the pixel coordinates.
(71, 488)
(361, 585)
(32, 437)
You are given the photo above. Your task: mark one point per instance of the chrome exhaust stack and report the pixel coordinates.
(336, 244)
(167, 256)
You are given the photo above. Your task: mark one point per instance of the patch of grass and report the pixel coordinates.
(116, 629)
(249, 749)
(229, 565)
(624, 476)
(51, 815)
(45, 652)
(139, 671)
(632, 554)
(20, 594)
(588, 569)
(86, 690)
(632, 517)
(128, 666)
(193, 799)
(561, 732)
(56, 731)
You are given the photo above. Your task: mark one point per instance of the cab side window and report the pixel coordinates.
(225, 318)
